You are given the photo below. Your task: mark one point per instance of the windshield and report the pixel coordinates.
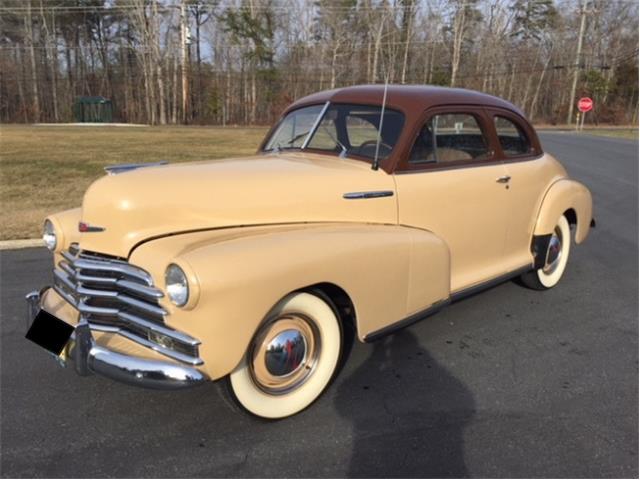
(340, 128)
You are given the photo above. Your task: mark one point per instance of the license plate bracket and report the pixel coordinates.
(49, 332)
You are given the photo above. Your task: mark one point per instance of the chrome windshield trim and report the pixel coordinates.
(315, 126)
(363, 195)
(127, 167)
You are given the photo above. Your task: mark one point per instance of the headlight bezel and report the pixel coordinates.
(50, 236)
(176, 282)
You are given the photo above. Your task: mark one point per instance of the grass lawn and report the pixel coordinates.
(631, 133)
(605, 131)
(47, 169)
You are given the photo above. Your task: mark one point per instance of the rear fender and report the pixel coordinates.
(565, 195)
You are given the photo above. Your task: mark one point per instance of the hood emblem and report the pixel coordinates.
(86, 228)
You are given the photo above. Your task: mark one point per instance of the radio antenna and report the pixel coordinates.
(376, 161)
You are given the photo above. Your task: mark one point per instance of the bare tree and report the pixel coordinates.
(250, 58)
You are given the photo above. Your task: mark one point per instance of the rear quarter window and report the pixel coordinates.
(513, 139)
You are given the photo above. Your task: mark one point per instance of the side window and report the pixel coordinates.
(450, 137)
(361, 131)
(512, 138)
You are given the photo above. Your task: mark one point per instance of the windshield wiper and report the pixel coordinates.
(297, 137)
(287, 144)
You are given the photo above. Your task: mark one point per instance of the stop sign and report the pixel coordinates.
(585, 104)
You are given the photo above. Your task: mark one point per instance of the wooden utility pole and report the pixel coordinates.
(157, 58)
(183, 59)
(459, 25)
(28, 23)
(576, 66)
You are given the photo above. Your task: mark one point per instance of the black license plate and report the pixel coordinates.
(49, 332)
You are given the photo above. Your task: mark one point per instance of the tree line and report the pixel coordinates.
(242, 61)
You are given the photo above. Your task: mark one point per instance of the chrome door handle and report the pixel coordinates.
(503, 179)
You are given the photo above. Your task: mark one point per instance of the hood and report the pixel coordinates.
(291, 187)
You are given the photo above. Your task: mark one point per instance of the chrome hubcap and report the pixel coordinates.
(554, 252)
(284, 353)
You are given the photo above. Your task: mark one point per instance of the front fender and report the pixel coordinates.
(66, 224)
(565, 195)
(388, 271)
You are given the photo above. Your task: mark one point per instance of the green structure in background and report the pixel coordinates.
(93, 110)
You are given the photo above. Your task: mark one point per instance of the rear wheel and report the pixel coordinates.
(556, 259)
(291, 359)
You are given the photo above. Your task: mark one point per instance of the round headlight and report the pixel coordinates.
(49, 235)
(177, 285)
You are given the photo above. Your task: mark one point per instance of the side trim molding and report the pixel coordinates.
(416, 317)
(436, 307)
(364, 195)
(490, 283)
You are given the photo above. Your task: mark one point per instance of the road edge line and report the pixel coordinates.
(19, 244)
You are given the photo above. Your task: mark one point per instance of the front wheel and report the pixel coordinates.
(291, 359)
(555, 259)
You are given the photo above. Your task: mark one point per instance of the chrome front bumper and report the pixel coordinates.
(88, 357)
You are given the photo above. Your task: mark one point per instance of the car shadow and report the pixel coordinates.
(407, 412)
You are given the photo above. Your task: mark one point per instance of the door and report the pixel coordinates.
(530, 174)
(453, 185)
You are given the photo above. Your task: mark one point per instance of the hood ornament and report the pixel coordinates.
(86, 228)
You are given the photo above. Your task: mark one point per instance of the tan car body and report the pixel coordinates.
(249, 231)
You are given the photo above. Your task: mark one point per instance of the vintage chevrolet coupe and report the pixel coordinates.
(365, 209)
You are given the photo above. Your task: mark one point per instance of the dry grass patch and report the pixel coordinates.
(47, 169)
(625, 131)
(631, 133)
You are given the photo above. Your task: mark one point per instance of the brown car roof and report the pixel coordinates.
(408, 98)
(412, 100)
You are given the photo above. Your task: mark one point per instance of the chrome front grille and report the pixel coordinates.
(117, 297)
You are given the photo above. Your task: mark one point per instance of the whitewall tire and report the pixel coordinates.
(291, 359)
(556, 259)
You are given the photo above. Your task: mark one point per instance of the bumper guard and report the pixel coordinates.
(88, 357)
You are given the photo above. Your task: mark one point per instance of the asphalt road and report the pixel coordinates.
(508, 383)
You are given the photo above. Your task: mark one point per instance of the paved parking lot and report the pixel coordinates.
(508, 383)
